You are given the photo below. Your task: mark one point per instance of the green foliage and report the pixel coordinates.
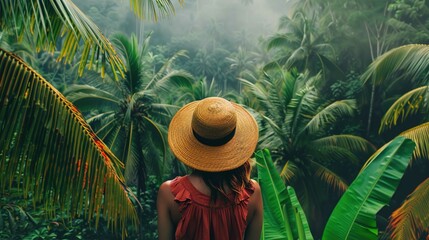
(149, 229)
(60, 22)
(283, 215)
(303, 45)
(354, 216)
(48, 151)
(348, 88)
(407, 65)
(296, 125)
(20, 219)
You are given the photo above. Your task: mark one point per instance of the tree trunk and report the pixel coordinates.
(371, 107)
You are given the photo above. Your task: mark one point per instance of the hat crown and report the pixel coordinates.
(214, 118)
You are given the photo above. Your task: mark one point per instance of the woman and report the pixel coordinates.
(218, 200)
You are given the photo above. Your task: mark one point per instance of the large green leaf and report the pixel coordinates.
(49, 152)
(283, 215)
(354, 217)
(296, 212)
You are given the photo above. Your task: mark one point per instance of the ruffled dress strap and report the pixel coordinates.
(180, 192)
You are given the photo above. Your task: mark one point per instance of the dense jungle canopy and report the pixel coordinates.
(339, 89)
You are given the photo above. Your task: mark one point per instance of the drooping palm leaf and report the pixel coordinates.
(420, 135)
(410, 60)
(88, 97)
(330, 115)
(49, 151)
(331, 178)
(50, 22)
(354, 217)
(347, 141)
(283, 215)
(412, 218)
(288, 171)
(153, 9)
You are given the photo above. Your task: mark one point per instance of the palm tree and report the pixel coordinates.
(199, 90)
(404, 64)
(302, 46)
(52, 155)
(129, 115)
(296, 125)
(241, 63)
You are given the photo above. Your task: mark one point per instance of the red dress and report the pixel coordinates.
(202, 220)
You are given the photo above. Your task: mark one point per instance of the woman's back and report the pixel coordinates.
(195, 216)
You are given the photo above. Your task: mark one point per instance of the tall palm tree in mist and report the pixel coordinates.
(302, 46)
(128, 115)
(296, 127)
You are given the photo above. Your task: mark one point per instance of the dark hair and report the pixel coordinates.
(236, 179)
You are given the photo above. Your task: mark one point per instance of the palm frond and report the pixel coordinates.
(281, 61)
(99, 117)
(158, 139)
(299, 108)
(410, 60)
(60, 21)
(347, 141)
(329, 177)
(288, 171)
(281, 40)
(276, 128)
(132, 55)
(50, 152)
(153, 9)
(331, 114)
(408, 104)
(132, 152)
(296, 56)
(166, 69)
(420, 135)
(412, 218)
(333, 155)
(87, 97)
(259, 92)
(173, 80)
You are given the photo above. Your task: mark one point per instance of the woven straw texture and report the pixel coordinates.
(214, 118)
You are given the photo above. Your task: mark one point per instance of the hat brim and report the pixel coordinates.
(202, 157)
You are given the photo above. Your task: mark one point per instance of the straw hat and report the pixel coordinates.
(213, 135)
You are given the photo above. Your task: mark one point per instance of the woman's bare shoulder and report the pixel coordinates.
(255, 185)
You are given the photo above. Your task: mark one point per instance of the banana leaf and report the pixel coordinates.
(354, 217)
(283, 215)
(49, 153)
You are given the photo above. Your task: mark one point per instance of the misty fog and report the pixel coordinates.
(234, 18)
(237, 19)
